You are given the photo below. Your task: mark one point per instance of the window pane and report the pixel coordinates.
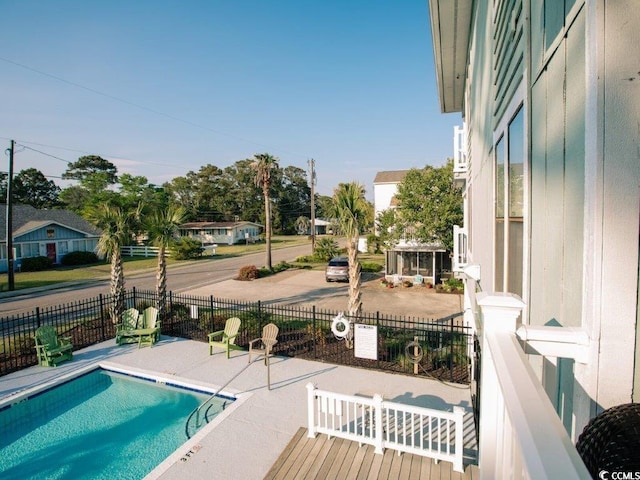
(516, 165)
(499, 155)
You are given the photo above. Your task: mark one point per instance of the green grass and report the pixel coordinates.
(136, 264)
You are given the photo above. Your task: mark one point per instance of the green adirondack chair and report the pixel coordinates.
(227, 336)
(51, 348)
(126, 327)
(148, 330)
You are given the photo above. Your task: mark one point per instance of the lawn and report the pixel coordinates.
(134, 264)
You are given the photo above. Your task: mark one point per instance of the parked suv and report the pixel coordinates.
(337, 270)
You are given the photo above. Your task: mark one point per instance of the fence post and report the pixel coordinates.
(38, 316)
(171, 309)
(259, 317)
(451, 349)
(459, 447)
(134, 297)
(379, 430)
(311, 423)
(101, 299)
(314, 331)
(378, 330)
(212, 325)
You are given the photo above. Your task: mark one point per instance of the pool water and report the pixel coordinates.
(98, 426)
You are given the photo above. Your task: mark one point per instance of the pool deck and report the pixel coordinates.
(248, 438)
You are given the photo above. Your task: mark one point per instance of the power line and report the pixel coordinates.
(143, 107)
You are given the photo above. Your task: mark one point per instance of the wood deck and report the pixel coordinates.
(335, 458)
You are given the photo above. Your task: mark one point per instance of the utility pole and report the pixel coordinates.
(312, 164)
(9, 229)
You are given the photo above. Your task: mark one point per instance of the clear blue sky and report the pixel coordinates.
(163, 87)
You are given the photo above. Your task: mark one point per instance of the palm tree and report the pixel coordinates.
(351, 211)
(264, 165)
(161, 227)
(303, 224)
(115, 223)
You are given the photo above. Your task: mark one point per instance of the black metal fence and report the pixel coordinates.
(304, 332)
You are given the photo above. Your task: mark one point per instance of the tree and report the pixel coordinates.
(93, 172)
(303, 224)
(162, 227)
(264, 165)
(352, 210)
(115, 224)
(430, 204)
(31, 187)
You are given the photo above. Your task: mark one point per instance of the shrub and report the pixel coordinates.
(326, 249)
(36, 264)
(186, 248)
(374, 244)
(370, 267)
(79, 258)
(248, 272)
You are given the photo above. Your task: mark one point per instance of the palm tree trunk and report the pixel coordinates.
(267, 226)
(161, 283)
(117, 286)
(355, 298)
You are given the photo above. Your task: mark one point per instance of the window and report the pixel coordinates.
(509, 154)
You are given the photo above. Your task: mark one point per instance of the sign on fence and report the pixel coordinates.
(366, 341)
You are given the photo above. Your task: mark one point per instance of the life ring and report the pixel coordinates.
(340, 327)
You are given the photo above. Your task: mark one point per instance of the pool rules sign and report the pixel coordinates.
(366, 341)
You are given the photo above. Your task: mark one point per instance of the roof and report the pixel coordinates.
(197, 225)
(390, 176)
(450, 31)
(27, 218)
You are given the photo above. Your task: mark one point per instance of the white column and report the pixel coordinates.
(500, 312)
(311, 424)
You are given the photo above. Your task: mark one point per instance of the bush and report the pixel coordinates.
(248, 272)
(79, 258)
(326, 249)
(370, 267)
(35, 264)
(186, 248)
(374, 243)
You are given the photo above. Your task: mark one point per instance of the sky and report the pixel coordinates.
(161, 88)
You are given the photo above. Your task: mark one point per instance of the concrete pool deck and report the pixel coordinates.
(246, 440)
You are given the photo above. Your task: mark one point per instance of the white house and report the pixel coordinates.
(385, 187)
(549, 93)
(227, 233)
(408, 259)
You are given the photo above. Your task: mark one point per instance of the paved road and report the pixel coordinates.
(179, 279)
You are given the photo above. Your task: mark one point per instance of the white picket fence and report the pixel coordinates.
(139, 251)
(421, 431)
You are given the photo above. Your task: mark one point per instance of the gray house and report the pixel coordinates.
(226, 233)
(51, 233)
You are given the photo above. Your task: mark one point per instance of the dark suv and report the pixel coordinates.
(337, 270)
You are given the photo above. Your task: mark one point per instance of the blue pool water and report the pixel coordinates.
(98, 426)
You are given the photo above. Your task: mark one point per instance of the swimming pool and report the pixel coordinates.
(102, 424)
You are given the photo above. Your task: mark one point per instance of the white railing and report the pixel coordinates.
(521, 435)
(421, 431)
(139, 251)
(459, 150)
(459, 249)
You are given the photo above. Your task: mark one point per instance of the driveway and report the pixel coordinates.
(308, 287)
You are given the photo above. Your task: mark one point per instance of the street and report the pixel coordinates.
(179, 279)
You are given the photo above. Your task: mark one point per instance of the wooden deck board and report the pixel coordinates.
(322, 457)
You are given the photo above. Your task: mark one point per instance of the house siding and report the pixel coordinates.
(581, 94)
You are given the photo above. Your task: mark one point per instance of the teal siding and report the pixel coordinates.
(508, 52)
(40, 235)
